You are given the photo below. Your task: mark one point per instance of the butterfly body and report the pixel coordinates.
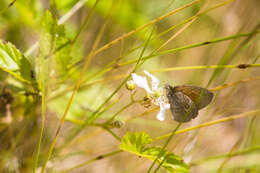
(186, 101)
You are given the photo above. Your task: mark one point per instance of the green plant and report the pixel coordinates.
(64, 66)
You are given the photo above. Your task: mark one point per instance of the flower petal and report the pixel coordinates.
(161, 114)
(155, 80)
(166, 106)
(141, 82)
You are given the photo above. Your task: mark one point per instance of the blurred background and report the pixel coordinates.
(182, 48)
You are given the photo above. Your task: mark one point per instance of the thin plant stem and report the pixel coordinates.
(117, 77)
(229, 156)
(161, 163)
(195, 16)
(234, 83)
(86, 21)
(108, 45)
(112, 133)
(5, 9)
(236, 153)
(76, 87)
(117, 113)
(233, 117)
(182, 29)
(204, 67)
(43, 110)
(191, 46)
(164, 146)
(92, 160)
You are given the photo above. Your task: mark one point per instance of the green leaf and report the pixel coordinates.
(171, 162)
(14, 62)
(55, 45)
(136, 143)
(47, 37)
(47, 42)
(62, 52)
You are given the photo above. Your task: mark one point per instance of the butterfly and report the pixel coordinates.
(186, 101)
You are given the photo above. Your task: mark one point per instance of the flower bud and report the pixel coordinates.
(130, 85)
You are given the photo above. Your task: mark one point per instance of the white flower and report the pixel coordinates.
(141, 82)
(156, 93)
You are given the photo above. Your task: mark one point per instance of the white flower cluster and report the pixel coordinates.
(156, 93)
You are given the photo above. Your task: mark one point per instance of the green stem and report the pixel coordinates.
(117, 113)
(43, 110)
(237, 153)
(192, 46)
(164, 146)
(92, 160)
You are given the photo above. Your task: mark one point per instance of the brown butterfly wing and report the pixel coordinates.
(200, 96)
(182, 107)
